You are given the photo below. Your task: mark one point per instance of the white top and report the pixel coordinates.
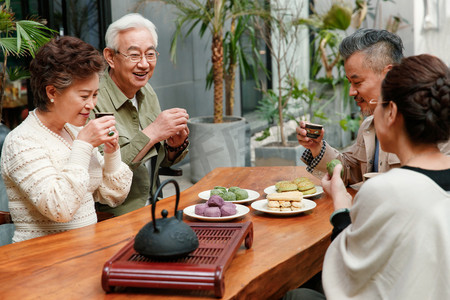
(51, 185)
(398, 245)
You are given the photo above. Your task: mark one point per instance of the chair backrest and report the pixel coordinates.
(5, 218)
(6, 228)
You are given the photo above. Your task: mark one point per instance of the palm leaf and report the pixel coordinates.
(18, 73)
(31, 36)
(9, 46)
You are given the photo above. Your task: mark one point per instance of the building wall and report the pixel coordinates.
(428, 26)
(432, 28)
(404, 9)
(295, 53)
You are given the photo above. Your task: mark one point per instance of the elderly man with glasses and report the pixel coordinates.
(368, 55)
(148, 137)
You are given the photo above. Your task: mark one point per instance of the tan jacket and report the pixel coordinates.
(359, 157)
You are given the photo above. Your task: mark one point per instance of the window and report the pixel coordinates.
(85, 19)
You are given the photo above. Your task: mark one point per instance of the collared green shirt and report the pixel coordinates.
(129, 122)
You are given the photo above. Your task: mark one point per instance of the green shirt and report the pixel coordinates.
(132, 139)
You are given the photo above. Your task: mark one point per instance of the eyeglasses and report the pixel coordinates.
(135, 58)
(375, 101)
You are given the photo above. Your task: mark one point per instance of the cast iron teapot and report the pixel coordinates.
(166, 238)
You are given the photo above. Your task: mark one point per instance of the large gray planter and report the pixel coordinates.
(216, 145)
(273, 155)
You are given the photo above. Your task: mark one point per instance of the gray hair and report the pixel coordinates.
(127, 22)
(381, 47)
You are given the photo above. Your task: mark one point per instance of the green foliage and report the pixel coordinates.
(268, 106)
(298, 101)
(18, 73)
(18, 39)
(21, 38)
(265, 134)
(328, 30)
(338, 17)
(348, 123)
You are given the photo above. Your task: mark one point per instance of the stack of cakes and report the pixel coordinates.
(302, 184)
(285, 201)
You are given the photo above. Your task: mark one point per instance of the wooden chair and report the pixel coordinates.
(5, 218)
(168, 171)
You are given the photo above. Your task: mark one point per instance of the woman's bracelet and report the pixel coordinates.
(179, 148)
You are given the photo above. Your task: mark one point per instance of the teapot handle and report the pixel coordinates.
(158, 192)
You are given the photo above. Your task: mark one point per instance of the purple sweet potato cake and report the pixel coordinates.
(215, 200)
(200, 209)
(212, 211)
(228, 209)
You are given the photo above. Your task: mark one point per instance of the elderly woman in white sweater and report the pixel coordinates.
(395, 236)
(52, 170)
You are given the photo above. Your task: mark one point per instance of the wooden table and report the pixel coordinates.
(286, 251)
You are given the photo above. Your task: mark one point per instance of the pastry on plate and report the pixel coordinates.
(310, 191)
(302, 184)
(300, 179)
(285, 186)
(285, 201)
(305, 185)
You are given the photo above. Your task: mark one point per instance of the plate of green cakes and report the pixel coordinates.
(232, 194)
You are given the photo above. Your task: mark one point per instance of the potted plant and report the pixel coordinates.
(324, 99)
(218, 140)
(285, 41)
(327, 76)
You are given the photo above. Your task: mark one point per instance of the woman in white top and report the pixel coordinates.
(52, 169)
(395, 236)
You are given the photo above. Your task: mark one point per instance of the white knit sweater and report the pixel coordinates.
(398, 245)
(51, 185)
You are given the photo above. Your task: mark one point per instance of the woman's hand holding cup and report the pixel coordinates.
(101, 130)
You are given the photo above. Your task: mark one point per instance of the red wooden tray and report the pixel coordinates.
(202, 269)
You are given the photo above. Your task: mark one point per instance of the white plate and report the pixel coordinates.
(252, 195)
(261, 205)
(241, 211)
(271, 189)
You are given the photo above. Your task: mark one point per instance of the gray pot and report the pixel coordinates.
(216, 145)
(274, 155)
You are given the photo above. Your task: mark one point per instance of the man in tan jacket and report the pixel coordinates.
(368, 55)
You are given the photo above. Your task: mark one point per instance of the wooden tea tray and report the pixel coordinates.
(202, 269)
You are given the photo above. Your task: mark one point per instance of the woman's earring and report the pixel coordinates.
(52, 100)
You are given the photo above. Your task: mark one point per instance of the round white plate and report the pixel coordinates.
(271, 189)
(252, 195)
(261, 205)
(241, 211)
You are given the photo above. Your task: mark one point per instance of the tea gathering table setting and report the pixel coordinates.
(249, 249)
